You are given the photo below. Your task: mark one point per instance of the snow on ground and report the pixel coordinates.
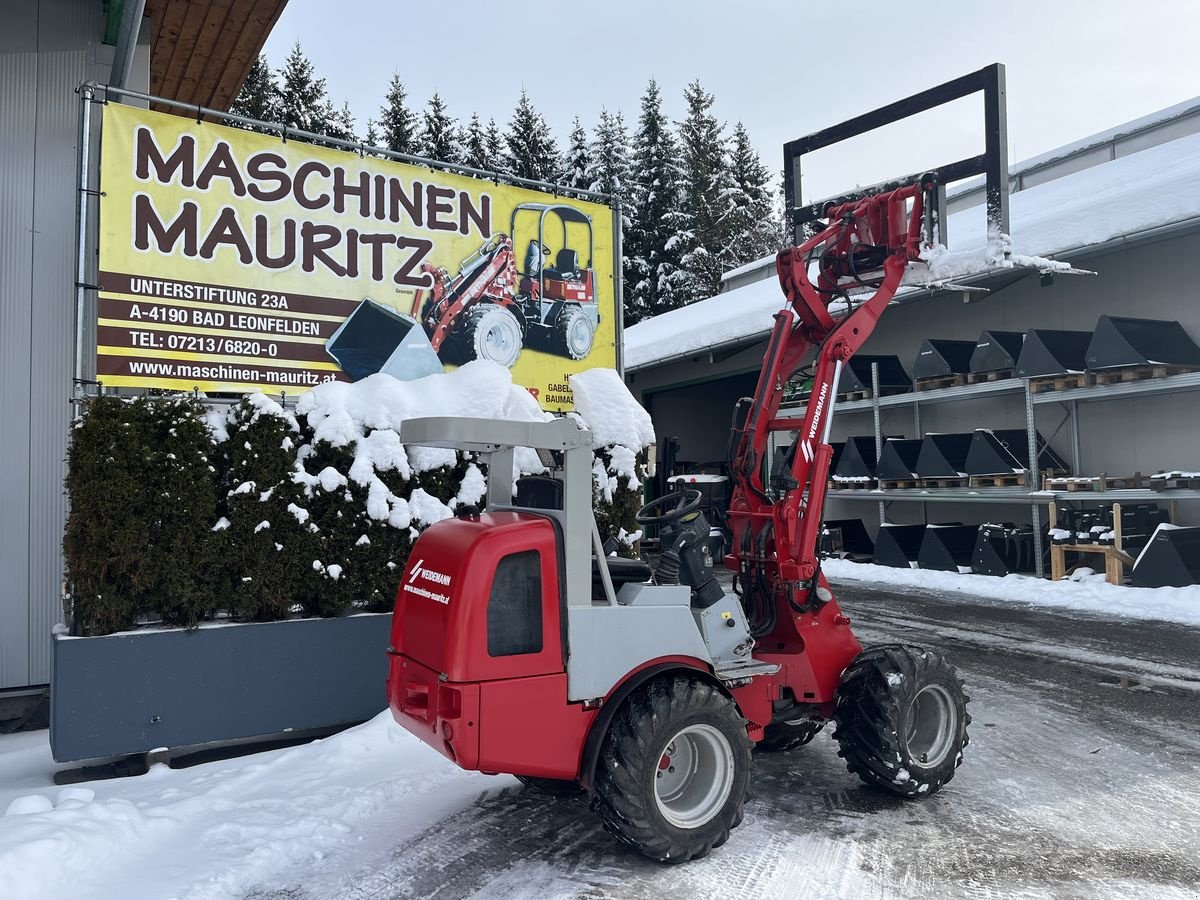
(1148, 189)
(218, 830)
(1168, 604)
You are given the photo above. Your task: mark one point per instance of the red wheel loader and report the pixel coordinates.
(519, 646)
(490, 310)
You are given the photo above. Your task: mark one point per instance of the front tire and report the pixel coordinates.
(674, 770)
(902, 720)
(488, 331)
(573, 334)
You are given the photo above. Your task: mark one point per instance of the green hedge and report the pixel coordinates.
(179, 514)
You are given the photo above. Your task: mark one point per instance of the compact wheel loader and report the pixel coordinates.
(519, 646)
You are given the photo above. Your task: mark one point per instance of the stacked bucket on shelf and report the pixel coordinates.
(1120, 349)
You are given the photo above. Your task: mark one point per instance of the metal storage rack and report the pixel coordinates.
(1036, 499)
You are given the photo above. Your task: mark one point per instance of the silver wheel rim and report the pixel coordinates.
(932, 726)
(498, 337)
(579, 336)
(694, 776)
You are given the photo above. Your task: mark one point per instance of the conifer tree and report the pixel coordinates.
(495, 147)
(439, 132)
(341, 123)
(658, 231)
(372, 137)
(577, 163)
(257, 98)
(706, 190)
(531, 149)
(474, 145)
(301, 99)
(397, 123)
(609, 172)
(751, 220)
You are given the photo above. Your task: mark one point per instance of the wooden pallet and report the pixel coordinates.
(956, 482)
(899, 484)
(1067, 382)
(1138, 373)
(1009, 479)
(854, 395)
(1179, 483)
(940, 381)
(1115, 560)
(851, 485)
(1136, 481)
(998, 375)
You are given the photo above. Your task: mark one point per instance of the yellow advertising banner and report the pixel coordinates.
(232, 261)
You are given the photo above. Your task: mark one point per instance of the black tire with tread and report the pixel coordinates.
(459, 346)
(872, 710)
(784, 736)
(559, 343)
(624, 793)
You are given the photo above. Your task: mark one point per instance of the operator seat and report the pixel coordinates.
(566, 265)
(545, 492)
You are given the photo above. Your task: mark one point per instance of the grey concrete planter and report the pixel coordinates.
(139, 691)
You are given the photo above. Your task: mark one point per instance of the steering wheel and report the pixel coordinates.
(655, 512)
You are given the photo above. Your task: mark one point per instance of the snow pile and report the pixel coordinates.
(227, 829)
(340, 413)
(1090, 594)
(610, 411)
(938, 264)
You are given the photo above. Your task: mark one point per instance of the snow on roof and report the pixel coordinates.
(1155, 187)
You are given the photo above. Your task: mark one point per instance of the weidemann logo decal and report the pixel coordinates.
(439, 578)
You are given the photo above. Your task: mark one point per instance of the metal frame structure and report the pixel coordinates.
(1068, 399)
(992, 163)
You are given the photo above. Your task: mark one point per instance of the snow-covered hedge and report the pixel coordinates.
(181, 513)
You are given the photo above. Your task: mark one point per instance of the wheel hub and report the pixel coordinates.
(694, 776)
(932, 726)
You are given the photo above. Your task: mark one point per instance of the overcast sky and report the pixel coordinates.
(782, 68)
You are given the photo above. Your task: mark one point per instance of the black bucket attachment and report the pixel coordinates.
(1007, 450)
(856, 375)
(937, 358)
(858, 459)
(1049, 352)
(943, 455)
(898, 461)
(997, 351)
(375, 339)
(1121, 342)
(898, 545)
(1170, 559)
(847, 538)
(947, 548)
(1002, 549)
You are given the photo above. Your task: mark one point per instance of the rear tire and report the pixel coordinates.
(784, 736)
(487, 331)
(573, 334)
(674, 770)
(901, 720)
(554, 787)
